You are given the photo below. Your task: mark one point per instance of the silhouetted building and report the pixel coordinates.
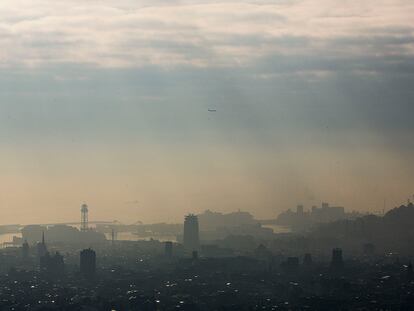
(328, 213)
(25, 250)
(88, 263)
(195, 255)
(191, 233)
(168, 249)
(307, 259)
(303, 220)
(337, 260)
(41, 247)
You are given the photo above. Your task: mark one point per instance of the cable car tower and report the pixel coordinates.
(84, 217)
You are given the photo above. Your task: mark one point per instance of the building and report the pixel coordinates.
(328, 213)
(88, 263)
(191, 233)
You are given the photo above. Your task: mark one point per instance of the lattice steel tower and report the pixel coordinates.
(84, 217)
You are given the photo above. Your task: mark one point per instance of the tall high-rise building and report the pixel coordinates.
(191, 233)
(88, 263)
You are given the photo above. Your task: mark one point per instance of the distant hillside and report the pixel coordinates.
(394, 232)
(401, 216)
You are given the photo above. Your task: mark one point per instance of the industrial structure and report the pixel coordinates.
(84, 217)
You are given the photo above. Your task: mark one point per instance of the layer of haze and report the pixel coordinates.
(106, 102)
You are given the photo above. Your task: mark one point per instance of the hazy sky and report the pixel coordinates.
(105, 102)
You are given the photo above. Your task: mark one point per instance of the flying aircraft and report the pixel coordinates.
(212, 110)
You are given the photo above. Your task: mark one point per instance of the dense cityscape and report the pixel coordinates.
(217, 262)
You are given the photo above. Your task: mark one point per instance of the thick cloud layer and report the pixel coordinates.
(198, 33)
